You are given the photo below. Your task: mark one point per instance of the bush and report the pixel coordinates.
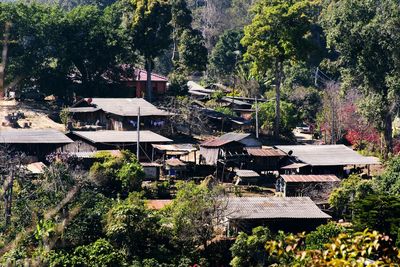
(323, 235)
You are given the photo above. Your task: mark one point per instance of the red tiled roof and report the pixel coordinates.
(265, 152)
(310, 178)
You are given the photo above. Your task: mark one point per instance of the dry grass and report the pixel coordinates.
(36, 114)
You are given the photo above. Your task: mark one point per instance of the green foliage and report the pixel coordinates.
(224, 57)
(248, 250)
(378, 212)
(323, 235)
(136, 230)
(192, 52)
(351, 190)
(97, 254)
(64, 116)
(193, 225)
(266, 114)
(117, 174)
(226, 110)
(389, 181)
(358, 249)
(280, 32)
(308, 102)
(363, 32)
(178, 84)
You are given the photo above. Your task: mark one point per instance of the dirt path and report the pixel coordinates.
(36, 114)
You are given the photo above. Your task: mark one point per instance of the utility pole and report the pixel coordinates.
(138, 135)
(316, 77)
(256, 102)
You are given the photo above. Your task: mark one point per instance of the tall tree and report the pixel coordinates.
(279, 35)
(151, 31)
(364, 33)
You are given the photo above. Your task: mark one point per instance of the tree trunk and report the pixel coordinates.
(149, 87)
(4, 58)
(278, 82)
(387, 135)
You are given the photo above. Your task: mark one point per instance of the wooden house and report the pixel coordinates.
(89, 141)
(36, 144)
(289, 214)
(322, 159)
(317, 187)
(265, 159)
(117, 114)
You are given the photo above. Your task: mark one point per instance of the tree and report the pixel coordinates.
(181, 21)
(149, 24)
(279, 35)
(117, 174)
(389, 181)
(248, 250)
(192, 52)
(351, 190)
(363, 33)
(288, 119)
(378, 212)
(136, 230)
(324, 234)
(226, 54)
(195, 225)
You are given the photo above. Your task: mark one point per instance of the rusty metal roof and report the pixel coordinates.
(326, 178)
(273, 208)
(225, 139)
(265, 152)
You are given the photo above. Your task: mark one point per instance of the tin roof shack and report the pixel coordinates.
(227, 151)
(176, 168)
(36, 144)
(117, 114)
(291, 214)
(186, 152)
(89, 141)
(152, 170)
(246, 177)
(265, 159)
(324, 159)
(317, 187)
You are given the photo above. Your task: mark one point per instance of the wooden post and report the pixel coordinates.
(138, 136)
(4, 58)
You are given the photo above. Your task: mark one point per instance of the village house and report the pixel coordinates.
(90, 141)
(116, 114)
(264, 159)
(289, 214)
(36, 144)
(317, 187)
(322, 159)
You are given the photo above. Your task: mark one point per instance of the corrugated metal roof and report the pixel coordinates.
(36, 167)
(294, 166)
(33, 136)
(265, 152)
(328, 155)
(273, 208)
(176, 147)
(128, 107)
(174, 162)
(225, 139)
(107, 136)
(326, 178)
(246, 173)
(83, 110)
